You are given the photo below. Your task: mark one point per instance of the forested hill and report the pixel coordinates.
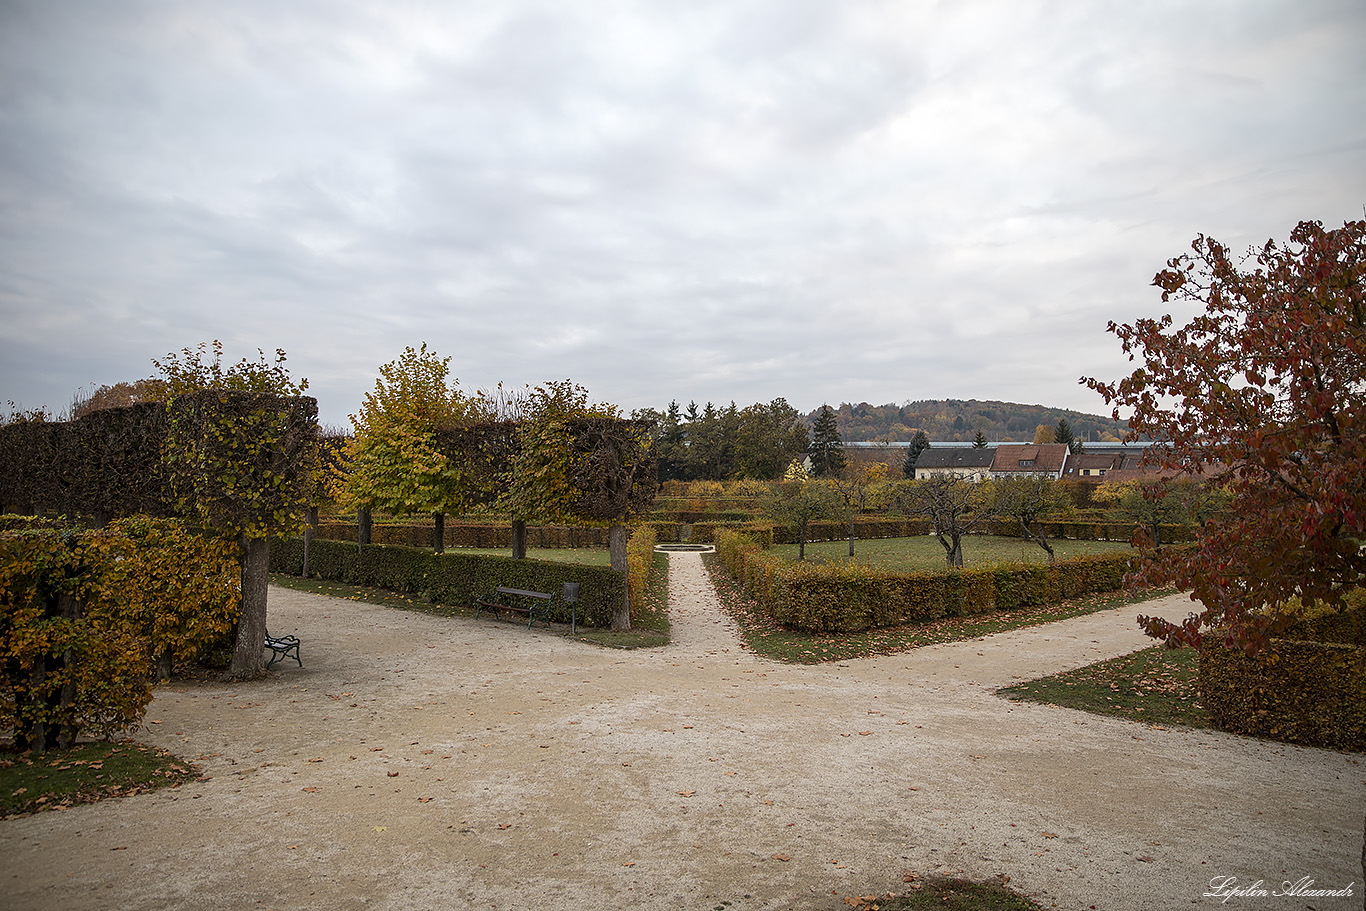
(949, 420)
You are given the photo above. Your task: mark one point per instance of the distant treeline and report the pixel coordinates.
(711, 443)
(959, 420)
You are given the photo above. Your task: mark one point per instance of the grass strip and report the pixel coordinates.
(938, 893)
(58, 779)
(768, 639)
(1154, 686)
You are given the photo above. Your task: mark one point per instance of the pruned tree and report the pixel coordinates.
(394, 461)
(797, 501)
(581, 463)
(1264, 393)
(239, 457)
(854, 486)
(1026, 499)
(953, 506)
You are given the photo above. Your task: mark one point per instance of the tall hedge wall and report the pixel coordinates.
(453, 578)
(1308, 689)
(848, 596)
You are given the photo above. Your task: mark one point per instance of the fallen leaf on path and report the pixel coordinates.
(783, 857)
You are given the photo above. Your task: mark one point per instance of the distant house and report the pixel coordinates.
(1092, 464)
(959, 461)
(1029, 460)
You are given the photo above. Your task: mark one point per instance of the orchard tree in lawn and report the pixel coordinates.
(1025, 499)
(854, 486)
(953, 506)
(1264, 393)
(1154, 502)
(919, 443)
(394, 462)
(798, 500)
(239, 457)
(827, 447)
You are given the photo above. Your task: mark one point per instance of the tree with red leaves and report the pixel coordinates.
(1263, 394)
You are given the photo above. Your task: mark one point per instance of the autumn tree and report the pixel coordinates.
(119, 395)
(394, 462)
(827, 448)
(580, 462)
(798, 500)
(953, 506)
(1026, 500)
(1264, 393)
(1151, 503)
(239, 457)
(1043, 434)
(854, 487)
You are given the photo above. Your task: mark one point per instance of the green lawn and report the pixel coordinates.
(924, 552)
(1154, 686)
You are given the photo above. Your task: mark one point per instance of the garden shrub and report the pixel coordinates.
(1309, 690)
(453, 578)
(640, 556)
(83, 613)
(847, 596)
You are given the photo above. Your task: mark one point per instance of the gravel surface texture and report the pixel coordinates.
(429, 763)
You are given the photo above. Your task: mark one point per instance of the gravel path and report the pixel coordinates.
(422, 762)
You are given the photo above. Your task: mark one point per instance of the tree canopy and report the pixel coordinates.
(1263, 393)
(395, 462)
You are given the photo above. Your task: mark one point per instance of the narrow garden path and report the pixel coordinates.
(423, 762)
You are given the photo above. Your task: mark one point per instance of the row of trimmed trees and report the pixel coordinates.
(235, 450)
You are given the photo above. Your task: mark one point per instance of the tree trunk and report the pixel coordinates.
(164, 664)
(616, 545)
(310, 530)
(953, 550)
(248, 658)
(851, 535)
(439, 532)
(518, 539)
(1039, 540)
(364, 526)
(801, 542)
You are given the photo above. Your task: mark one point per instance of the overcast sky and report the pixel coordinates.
(826, 201)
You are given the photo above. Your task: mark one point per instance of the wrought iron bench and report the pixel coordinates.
(282, 647)
(534, 604)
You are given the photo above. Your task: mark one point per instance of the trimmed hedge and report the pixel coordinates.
(486, 536)
(452, 578)
(83, 613)
(1055, 530)
(1308, 690)
(847, 596)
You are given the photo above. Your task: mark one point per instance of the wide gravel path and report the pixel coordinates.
(421, 762)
